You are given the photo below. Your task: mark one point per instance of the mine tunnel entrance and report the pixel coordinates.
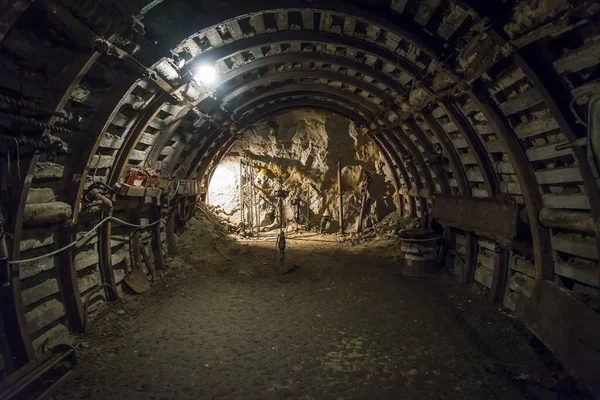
(299, 199)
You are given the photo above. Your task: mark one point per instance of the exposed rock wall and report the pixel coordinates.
(299, 153)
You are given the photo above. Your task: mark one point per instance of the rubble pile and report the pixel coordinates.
(391, 227)
(205, 235)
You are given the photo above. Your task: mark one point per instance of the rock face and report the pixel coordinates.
(298, 152)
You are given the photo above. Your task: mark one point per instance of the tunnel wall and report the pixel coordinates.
(474, 101)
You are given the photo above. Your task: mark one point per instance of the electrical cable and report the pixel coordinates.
(86, 236)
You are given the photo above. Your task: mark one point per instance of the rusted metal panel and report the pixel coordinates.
(568, 327)
(486, 217)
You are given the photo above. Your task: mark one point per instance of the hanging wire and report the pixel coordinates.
(85, 237)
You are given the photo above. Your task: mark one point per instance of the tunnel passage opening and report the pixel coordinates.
(472, 107)
(305, 153)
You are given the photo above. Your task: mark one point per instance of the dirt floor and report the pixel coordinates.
(342, 323)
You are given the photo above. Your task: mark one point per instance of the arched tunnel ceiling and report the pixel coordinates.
(466, 99)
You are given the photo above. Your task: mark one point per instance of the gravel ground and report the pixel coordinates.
(342, 323)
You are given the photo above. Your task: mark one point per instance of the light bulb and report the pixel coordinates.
(206, 74)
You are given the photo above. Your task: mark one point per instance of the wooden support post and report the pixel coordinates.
(340, 196)
(363, 204)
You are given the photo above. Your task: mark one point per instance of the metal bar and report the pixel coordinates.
(302, 74)
(12, 310)
(244, 45)
(78, 169)
(455, 163)
(212, 162)
(525, 175)
(418, 156)
(196, 162)
(402, 169)
(164, 137)
(395, 178)
(132, 139)
(428, 148)
(464, 189)
(472, 139)
(538, 69)
(353, 100)
(307, 103)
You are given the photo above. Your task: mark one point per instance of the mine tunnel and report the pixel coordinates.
(357, 199)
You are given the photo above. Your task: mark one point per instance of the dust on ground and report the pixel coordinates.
(341, 323)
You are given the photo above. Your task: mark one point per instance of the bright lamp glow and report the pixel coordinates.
(181, 63)
(206, 74)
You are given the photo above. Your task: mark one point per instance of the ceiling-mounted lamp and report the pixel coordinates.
(182, 58)
(205, 75)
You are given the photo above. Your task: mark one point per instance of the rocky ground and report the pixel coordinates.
(341, 323)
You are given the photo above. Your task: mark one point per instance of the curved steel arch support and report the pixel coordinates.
(395, 145)
(334, 99)
(544, 266)
(306, 36)
(354, 101)
(203, 151)
(395, 177)
(402, 169)
(557, 98)
(306, 103)
(472, 139)
(418, 156)
(187, 23)
(432, 157)
(303, 74)
(463, 188)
